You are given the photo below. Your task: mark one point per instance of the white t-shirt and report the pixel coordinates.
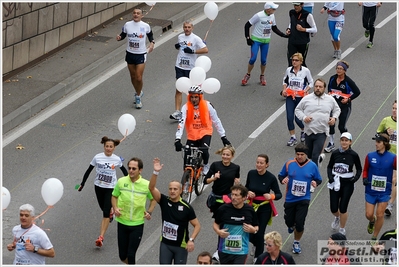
(37, 237)
(335, 6)
(186, 61)
(106, 169)
(262, 26)
(136, 33)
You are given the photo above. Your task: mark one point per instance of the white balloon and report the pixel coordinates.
(150, 3)
(52, 191)
(197, 76)
(203, 62)
(6, 198)
(183, 84)
(211, 85)
(211, 10)
(126, 122)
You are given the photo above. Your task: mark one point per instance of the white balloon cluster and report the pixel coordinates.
(198, 77)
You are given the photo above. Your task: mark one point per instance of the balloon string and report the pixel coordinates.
(41, 214)
(148, 11)
(206, 35)
(124, 137)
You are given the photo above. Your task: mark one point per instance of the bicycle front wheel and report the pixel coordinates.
(186, 186)
(199, 184)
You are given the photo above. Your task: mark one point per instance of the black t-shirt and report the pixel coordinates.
(222, 185)
(175, 219)
(282, 258)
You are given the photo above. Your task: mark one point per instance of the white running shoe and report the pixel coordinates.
(215, 256)
(176, 115)
(342, 231)
(321, 158)
(335, 223)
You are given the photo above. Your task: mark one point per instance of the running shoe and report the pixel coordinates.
(335, 54)
(215, 256)
(135, 94)
(290, 230)
(302, 136)
(176, 115)
(254, 260)
(373, 241)
(252, 251)
(370, 226)
(342, 231)
(292, 141)
(111, 217)
(330, 147)
(206, 169)
(339, 54)
(388, 210)
(138, 102)
(335, 223)
(321, 158)
(296, 247)
(99, 241)
(370, 45)
(366, 33)
(262, 80)
(246, 78)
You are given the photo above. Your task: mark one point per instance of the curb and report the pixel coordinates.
(58, 91)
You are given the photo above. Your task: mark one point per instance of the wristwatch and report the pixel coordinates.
(191, 239)
(36, 249)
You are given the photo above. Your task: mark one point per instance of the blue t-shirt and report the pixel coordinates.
(299, 179)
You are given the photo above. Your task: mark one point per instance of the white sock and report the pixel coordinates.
(331, 138)
(293, 136)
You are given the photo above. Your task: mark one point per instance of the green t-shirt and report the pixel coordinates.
(386, 123)
(132, 198)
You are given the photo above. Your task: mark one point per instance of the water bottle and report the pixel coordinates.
(186, 185)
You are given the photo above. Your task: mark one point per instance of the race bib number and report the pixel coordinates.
(233, 243)
(341, 168)
(169, 230)
(392, 138)
(339, 25)
(134, 45)
(266, 31)
(298, 188)
(19, 261)
(378, 183)
(184, 62)
(105, 178)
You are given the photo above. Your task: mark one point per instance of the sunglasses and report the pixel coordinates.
(132, 168)
(295, 59)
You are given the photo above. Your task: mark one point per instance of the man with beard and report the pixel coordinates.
(318, 111)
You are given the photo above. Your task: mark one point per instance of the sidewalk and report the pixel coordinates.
(34, 89)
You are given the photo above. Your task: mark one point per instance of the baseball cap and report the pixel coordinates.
(270, 5)
(297, 3)
(381, 137)
(346, 135)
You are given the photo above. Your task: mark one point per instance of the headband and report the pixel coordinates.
(342, 65)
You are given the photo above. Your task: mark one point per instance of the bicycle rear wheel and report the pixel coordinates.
(199, 184)
(185, 183)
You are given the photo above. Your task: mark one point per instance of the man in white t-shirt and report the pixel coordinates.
(31, 243)
(189, 46)
(136, 51)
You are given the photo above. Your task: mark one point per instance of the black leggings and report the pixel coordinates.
(342, 119)
(172, 254)
(340, 199)
(295, 48)
(200, 143)
(258, 239)
(129, 238)
(104, 196)
(368, 18)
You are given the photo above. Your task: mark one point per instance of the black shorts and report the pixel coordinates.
(135, 59)
(182, 73)
(295, 214)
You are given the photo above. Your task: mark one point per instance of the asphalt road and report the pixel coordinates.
(61, 141)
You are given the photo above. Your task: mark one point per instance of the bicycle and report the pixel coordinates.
(192, 175)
